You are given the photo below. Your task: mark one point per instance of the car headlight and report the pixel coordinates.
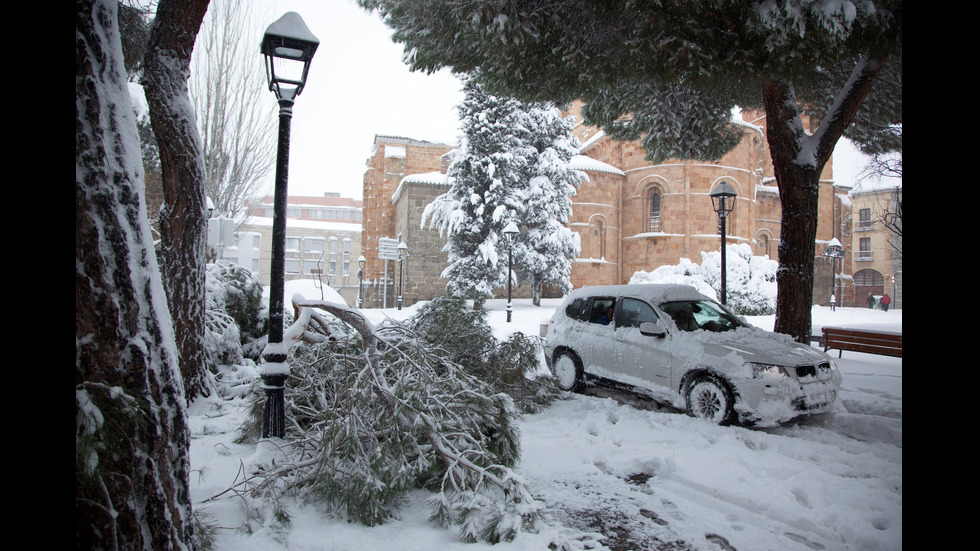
(768, 370)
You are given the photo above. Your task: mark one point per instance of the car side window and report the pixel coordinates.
(579, 309)
(603, 310)
(634, 312)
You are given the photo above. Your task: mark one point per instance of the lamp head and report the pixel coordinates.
(288, 47)
(723, 198)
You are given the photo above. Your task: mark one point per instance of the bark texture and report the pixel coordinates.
(183, 217)
(132, 469)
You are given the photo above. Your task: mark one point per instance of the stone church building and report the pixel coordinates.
(632, 215)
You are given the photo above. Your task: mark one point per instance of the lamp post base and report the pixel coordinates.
(274, 411)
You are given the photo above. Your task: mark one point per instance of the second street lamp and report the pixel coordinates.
(288, 47)
(834, 251)
(510, 234)
(402, 253)
(361, 261)
(723, 201)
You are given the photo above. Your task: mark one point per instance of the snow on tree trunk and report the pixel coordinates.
(183, 218)
(798, 159)
(131, 441)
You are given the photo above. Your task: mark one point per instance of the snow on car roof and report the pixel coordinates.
(652, 292)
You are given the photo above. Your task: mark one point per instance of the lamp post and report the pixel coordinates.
(402, 253)
(834, 251)
(723, 201)
(510, 232)
(288, 47)
(360, 281)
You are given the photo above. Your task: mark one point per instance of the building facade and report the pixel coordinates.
(877, 243)
(323, 241)
(631, 215)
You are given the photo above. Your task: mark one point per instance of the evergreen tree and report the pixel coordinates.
(669, 74)
(547, 245)
(511, 166)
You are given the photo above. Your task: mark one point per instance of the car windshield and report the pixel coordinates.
(692, 315)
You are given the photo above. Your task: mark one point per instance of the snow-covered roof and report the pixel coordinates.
(434, 178)
(655, 293)
(588, 164)
(263, 221)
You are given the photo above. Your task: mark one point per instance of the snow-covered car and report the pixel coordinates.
(678, 346)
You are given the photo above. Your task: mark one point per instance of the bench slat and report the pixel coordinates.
(889, 344)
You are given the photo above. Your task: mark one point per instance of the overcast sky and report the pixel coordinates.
(358, 87)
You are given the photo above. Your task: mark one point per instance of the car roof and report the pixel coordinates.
(655, 293)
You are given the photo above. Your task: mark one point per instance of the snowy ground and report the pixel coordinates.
(618, 473)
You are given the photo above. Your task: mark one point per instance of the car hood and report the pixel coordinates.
(750, 345)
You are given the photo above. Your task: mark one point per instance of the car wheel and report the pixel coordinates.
(568, 371)
(709, 398)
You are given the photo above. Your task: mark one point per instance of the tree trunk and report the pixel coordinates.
(131, 440)
(798, 160)
(798, 193)
(183, 217)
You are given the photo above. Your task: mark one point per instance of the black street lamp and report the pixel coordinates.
(723, 201)
(360, 281)
(510, 233)
(288, 47)
(834, 251)
(402, 253)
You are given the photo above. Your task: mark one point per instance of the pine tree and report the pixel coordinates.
(547, 245)
(669, 74)
(512, 166)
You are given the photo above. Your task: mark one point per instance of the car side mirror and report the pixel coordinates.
(650, 329)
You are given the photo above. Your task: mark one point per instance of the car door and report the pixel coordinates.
(593, 337)
(647, 358)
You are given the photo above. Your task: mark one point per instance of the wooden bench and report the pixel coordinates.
(861, 340)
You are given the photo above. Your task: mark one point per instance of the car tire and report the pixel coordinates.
(567, 369)
(710, 398)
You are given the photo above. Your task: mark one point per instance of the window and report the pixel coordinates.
(347, 245)
(256, 242)
(634, 312)
(597, 240)
(347, 267)
(653, 205)
(313, 245)
(292, 265)
(292, 244)
(602, 311)
(333, 245)
(864, 249)
(864, 220)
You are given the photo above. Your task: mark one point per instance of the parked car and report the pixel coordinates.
(676, 345)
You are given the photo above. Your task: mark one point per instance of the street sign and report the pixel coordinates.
(387, 248)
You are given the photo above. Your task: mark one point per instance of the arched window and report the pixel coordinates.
(653, 209)
(764, 246)
(597, 239)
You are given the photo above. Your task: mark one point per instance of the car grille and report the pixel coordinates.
(819, 372)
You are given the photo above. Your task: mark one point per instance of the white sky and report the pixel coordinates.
(358, 87)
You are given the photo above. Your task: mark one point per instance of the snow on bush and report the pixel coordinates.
(378, 412)
(750, 280)
(232, 319)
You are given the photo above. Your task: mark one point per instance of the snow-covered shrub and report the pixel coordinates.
(232, 319)
(510, 366)
(375, 413)
(750, 281)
